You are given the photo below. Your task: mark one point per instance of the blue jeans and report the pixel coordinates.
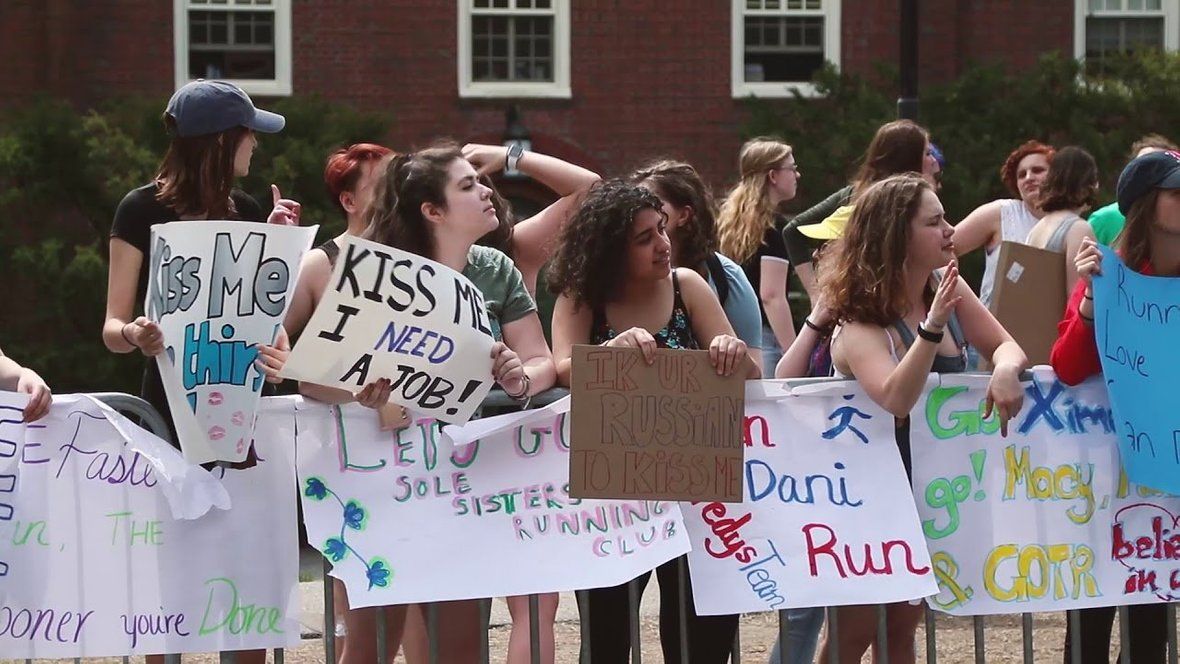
(771, 351)
(803, 627)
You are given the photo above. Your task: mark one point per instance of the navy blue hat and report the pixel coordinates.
(208, 107)
(937, 154)
(1155, 170)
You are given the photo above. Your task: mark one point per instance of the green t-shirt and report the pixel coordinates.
(1107, 223)
(502, 286)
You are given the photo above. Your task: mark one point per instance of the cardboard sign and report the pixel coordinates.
(219, 289)
(113, 544)
(670, 431)
(1041, 520)
(481, 510)
(828, 517)
(1137, 324)
(391, 314)
(1028, 297)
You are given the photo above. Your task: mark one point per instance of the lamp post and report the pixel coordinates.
(907, 103)
(515, 133)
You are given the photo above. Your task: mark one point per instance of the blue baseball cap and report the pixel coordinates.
(208, 107)
(1155, 170)
(937, 154)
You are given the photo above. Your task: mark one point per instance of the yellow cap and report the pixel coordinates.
(830, 228)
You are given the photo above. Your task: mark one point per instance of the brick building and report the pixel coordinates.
(605, 83)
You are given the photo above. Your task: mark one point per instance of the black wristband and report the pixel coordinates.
(932, 337)
(821, 330)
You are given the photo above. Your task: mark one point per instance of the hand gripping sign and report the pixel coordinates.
(391, 314)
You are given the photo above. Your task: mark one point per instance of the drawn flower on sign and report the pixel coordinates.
(354, 515)
(335, 549)
(315, 489)
(378, 572)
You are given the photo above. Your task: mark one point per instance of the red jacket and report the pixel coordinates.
(1075, 353)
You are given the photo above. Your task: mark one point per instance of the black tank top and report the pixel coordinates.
(677, 333)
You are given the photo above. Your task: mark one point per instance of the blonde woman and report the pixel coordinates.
(750, 232)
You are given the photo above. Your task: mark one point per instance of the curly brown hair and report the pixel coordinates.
(1071, 182)
(1008, 170)
(863, 274)
(585, 266)
(679, 183)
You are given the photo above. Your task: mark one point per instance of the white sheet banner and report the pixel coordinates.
(1042, 520)
(827, 519)
(391, 314)
(411, 517)
(219, 289)
(99, 559)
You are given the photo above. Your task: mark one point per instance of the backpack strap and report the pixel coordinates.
(717, 274)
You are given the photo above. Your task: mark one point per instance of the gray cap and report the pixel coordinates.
(208, 107)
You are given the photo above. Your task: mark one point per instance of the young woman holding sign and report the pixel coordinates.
(616, 286)
(212, 124)
(432, 203)
(882, 284)
(1149, 195)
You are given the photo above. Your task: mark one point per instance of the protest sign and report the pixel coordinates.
(219, 289)
(112, 544)
(1041, 520)
(1137, 322)
(411, 516)
(387, 313)
(827, 518)
(669, 431)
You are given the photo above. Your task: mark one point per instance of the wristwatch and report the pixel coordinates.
(515, 151)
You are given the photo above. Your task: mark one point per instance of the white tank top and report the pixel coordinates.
(1015, 223)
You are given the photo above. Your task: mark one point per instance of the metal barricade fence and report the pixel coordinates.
(140, 410)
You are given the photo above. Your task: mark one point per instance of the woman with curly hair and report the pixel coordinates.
(1067, 192)
(432, 203)
(1023, 173)
(749, 232)
(616, 286)
(692, 229)
(894, 311)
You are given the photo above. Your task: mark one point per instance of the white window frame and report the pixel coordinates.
(830, 12)
(558, 88)
(1169, 10)
(280, 86)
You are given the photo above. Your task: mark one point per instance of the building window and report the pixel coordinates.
(247, 42)
(778, 45)
(514, 48)
(1105, 28)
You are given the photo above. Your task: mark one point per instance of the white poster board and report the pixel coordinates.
(387, 313)
(828, 518)
(219, 289)
(411, 517)
(1043, 520)
(112, 544)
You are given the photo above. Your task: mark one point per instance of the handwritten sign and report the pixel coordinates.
(827, 518)
(114, 545)
(671, 431)
(391, 314)
(1042, 520)
(219, 289)
(1137, 322)
(421, 518)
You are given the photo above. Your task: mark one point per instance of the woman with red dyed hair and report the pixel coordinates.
(1023, 172)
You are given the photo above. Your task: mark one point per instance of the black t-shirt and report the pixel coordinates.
(134, 218)
(772, 248)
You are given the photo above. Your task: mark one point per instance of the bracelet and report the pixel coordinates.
(821, 330)
(932, 337)
(523, 395)
(123, 331)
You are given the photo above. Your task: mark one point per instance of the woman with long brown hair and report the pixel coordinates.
(895, 312)
(213, 125)
(749, 231)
